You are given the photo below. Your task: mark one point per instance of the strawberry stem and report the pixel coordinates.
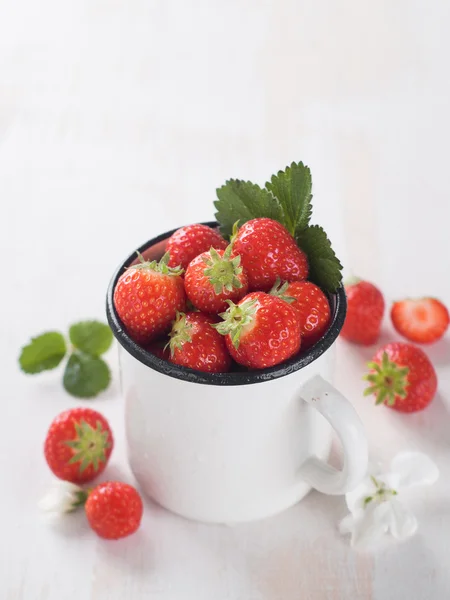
(352, 280)
(223, 271)
(279, 290)
(158, 267)
(90, 445)
(387, 381)
(235, 318)
(180, 334)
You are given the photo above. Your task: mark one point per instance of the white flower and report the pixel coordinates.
(63, 497)
(374, 505)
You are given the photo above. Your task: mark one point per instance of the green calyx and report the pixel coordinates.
(159, 267)
(353, 280)
(90, 445)
(382, 493)
(80, 498)
(279, 289)
(234, 232)
(235, 318)
(387, 380)
(180, 334)
(223, 271)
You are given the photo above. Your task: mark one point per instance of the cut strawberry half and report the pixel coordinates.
(421, 320)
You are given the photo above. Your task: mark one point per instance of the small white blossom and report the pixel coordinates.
(375, 506)
(62, 497)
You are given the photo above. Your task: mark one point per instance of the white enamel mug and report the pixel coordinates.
(233, 447)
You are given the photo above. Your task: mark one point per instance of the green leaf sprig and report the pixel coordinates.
(287, 199)
(86, 374)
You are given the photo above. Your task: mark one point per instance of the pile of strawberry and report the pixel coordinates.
(211, 305)
(77, 449)
(401, 374)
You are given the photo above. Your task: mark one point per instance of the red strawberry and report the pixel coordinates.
(422, 320)
(214, 277)
(190, 241)
(261, 330)
(147, 298)
(78, 445)
(269, 251)
(194, 343)
(365, 310)
(402, 377)
(114, 510)
(311, 303)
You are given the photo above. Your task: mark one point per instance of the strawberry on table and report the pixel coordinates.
(312, 305)
(402, 377)
(114, 510)
(190, 241)
(194, 343)
(422, 320)
(147, 298)
(365, 310)
(268, 251)
(261, 330)
(214, 277)
(78, 445)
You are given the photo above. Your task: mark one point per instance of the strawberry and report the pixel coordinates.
(365, 310)
(190, 241)
(269, 251)
(194, 343)
(147, 298)
(78, 445)
(114, 510)
(422, 320)
(311, 303)
(261, 330)
(214, 277)
(402, 377)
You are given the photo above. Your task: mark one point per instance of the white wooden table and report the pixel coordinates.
(118, 119)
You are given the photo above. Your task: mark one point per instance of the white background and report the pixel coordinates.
(118, 119)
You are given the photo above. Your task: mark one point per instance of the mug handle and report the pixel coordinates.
(341, 415)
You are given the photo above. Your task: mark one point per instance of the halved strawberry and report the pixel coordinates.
(422, 320)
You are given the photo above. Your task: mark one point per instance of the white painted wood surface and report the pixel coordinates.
(118, 119)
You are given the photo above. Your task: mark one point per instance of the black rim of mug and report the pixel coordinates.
(338, 305)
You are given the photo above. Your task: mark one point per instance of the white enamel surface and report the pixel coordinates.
(223, 454)
(322, 396)
(118, 120)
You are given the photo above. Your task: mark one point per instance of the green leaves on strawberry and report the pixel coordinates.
(242, 201)
(85, 374)
(325, 269)
(292, 187)
(286, 199)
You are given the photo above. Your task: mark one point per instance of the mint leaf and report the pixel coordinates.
(292, 187)
(91, 337)
(242, 201)
(86, 376)
(43, 353)
(324, 266)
